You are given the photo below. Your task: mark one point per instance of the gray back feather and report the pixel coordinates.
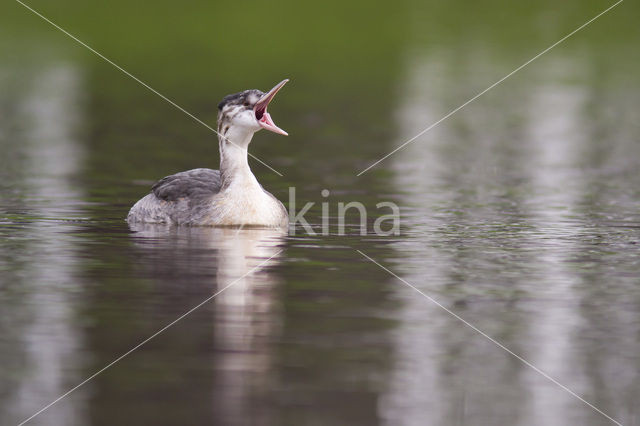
(192, 184)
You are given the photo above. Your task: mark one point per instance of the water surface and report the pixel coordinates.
(520, 214)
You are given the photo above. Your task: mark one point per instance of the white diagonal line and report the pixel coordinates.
(147, 339)
(500, 345)
(491, 87)
(142, 82)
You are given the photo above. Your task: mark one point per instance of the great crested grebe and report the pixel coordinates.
(231, 196)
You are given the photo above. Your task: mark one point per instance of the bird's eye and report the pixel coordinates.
(246, 103)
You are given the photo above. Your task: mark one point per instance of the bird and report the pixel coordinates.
(230, 196)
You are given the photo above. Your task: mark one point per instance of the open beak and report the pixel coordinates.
(260, 110)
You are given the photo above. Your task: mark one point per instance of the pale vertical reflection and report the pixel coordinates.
(246, 322)
(448, 374)
(480, 189)
(47, 117)
(247, 317)
(556, 133)
(415, 395)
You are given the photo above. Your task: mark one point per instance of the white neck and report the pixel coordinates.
(234, 167)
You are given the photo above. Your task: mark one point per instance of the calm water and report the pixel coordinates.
(520, 214)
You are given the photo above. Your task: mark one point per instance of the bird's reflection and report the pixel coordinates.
(245, 315)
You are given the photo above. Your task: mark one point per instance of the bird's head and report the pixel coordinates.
(248, 110)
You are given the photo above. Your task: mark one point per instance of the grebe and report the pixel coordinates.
(231, 196)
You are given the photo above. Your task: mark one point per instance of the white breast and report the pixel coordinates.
(247, 205)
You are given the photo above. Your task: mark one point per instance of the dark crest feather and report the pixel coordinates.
(238, 98)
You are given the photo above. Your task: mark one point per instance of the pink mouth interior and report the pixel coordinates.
(260, 111)
(267, 123)
(266, 119)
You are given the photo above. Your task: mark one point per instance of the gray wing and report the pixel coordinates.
(192, 184)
